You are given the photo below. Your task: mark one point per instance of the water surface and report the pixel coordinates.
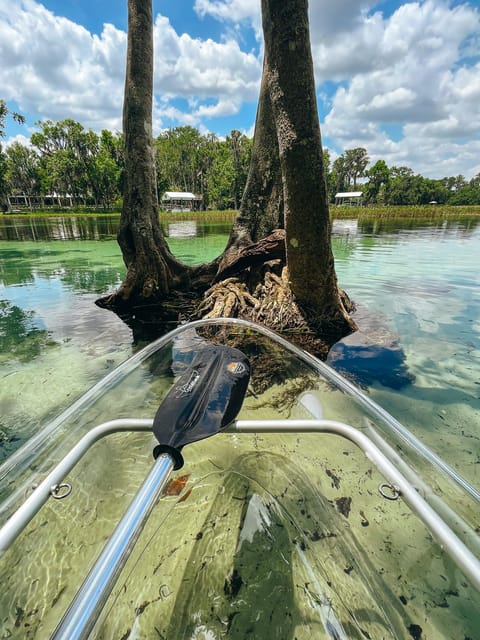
(416, 286)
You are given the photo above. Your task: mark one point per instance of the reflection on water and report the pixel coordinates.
(417, 287)
(37, 228)
(183, 229)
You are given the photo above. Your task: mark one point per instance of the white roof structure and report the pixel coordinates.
(349, 194)
(178, 195)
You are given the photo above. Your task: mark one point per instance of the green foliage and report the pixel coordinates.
(216, 169)
(22, 169)
(468, 195)
(4, 113)
(221, 185)
(3, 176)
(67, 159)
(346, 170)
(377, 187)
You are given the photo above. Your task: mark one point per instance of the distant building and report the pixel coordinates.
(21, 201)
(351, 198)
(177, 201)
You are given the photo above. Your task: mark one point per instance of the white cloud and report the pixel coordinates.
(21, 139)
(405, 86)
(236, 11)
(186, 66)
(65, 71)
(415, 82)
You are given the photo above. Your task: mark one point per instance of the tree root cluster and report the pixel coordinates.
(263, 295)
(229, 298)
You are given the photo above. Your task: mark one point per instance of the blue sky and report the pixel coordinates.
(401, 79)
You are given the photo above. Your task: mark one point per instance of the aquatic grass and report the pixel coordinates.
(216, 216)
(405, 212)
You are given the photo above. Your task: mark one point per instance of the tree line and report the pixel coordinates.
(65, 158)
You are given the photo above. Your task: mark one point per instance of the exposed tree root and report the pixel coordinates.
(263, 295)
(228, 298)
(258, 290)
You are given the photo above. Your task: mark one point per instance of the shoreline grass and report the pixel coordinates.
(409, 212)
(338, 212)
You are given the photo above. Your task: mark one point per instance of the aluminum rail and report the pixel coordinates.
(465, 560)
(22, 516)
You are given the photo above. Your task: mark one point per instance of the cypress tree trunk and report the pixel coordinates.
(261, 209)
(307, 223)
(152, 270)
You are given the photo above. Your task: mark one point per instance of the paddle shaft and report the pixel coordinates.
(85, 608)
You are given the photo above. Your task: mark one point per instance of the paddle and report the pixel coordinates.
(204, 400)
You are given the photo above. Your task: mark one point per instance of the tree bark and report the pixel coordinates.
(307, 223)
(261, 209)
(152, 270)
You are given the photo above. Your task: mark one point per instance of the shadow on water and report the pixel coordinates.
(372, 354)
(272, 559)
(366, 365)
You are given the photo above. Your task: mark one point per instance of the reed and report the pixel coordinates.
(424, 212)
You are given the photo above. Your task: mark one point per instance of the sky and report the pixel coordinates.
(401, 79)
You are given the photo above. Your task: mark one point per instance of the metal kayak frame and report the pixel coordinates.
(87, 605)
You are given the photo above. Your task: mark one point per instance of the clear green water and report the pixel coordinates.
(417, 353)
(417, 291)
(422, 285)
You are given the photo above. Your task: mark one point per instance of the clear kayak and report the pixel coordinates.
(310, 513)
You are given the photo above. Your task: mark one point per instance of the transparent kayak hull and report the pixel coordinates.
(260, 534)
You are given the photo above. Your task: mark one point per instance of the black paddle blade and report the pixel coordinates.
(206, 398)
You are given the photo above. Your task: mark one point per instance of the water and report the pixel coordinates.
(422, 287)
(416, 288)
(416, 353)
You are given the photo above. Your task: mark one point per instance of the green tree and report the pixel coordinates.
(467, 195)
(3, 179)
(22, 173)
(179, 158)
(68, 156)
(403, 186)
(356, 161)
(4, 113)
(376, 188)
(222, 181)
(206, 172)
(107, 170)
(339, 175)
(239, 147)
